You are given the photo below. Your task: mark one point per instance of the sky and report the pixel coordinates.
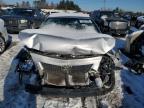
(90, 5)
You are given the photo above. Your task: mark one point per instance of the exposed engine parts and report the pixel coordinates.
(77, 81)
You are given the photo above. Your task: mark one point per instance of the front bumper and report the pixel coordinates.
(58, 70)
(16, 28)
(70, 90)
(63, 91)
(118, 32)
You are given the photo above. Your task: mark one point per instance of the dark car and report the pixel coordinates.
(18, 19)
(110, 23)
(139, 22)
(127, 17)
(131, 17)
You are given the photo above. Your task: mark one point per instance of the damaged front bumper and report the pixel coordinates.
(74, 71)
(66, 91)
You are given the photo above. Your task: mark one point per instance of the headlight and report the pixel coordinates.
(23, 21)
(118, 25)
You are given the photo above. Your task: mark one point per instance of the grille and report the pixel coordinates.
(77, 75)
(12, 22)
(61, 69)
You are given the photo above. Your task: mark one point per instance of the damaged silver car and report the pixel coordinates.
(67, 56)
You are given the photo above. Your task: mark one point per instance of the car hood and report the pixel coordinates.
(66, 42)
(15, 17)
(115, 19)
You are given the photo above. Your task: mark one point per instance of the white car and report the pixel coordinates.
(3, 36)
(72, 58)
(134, 52)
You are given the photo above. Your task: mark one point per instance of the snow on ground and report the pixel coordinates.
(128, 91)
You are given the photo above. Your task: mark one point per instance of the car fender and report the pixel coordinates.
(3, 30)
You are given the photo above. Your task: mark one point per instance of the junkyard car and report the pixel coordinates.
(139, 22)
(109, 23)
(127, 17)
(3, 36)
(19, 19)
(134, 52)
(67, 56)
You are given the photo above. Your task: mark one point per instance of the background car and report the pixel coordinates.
(18, 19)
(127, 17)
(109, 23)
(139, 22)
(134, 51)
(3, 37)
(100, 17)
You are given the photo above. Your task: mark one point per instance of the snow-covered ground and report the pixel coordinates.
(128, 91)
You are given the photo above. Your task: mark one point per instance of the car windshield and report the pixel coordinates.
(23, 12)
(75, 23)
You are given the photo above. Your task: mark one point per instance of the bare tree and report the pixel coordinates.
(28, 4)
(1, 3)
(23, 5)
(17, 4)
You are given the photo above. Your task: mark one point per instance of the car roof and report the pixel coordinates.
(141, 18)
(66, 14)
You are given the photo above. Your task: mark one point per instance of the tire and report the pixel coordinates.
(106, 70)
(2, 45)
(24, 74)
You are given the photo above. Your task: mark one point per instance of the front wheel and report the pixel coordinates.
(107, 74)
(2, 45)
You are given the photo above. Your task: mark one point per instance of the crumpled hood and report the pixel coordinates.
(66, 42)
